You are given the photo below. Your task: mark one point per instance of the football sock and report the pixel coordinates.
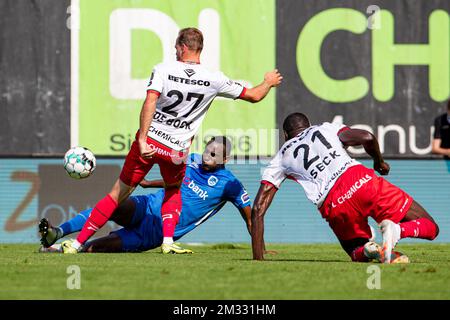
(59, 233)
(75, 224)
(168, 240)
(76, 244)
(422, 228)
(99, 216)
(170, 211)
(358, 255)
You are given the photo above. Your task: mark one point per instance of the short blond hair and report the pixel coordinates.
(191, 38)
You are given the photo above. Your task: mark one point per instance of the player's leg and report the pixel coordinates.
(103, 211)
(354, 234)
(364, 250)
(355, 249)
(173, 175)
(134, 170)
(144, 235)
(131, 214)
(348, 216)
(123, 216)
(111, 243)
(350, 227)
(170, 211)
(393, 206)
(126, 212)
(418, 223)
(50, 234)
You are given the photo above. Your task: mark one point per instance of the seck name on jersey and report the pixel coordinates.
(324, 163)
(189, 81)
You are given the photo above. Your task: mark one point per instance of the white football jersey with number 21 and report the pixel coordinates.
(315, 159)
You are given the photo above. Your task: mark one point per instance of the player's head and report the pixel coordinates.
(448, 106)
(216, 154)
(294, 124)
(189, 41)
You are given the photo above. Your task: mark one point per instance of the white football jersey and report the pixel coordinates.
(186, 92)
(315, 159)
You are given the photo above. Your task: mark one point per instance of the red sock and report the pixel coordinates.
(170, 211)
(420, 228)
(358, 255)
(99, 216)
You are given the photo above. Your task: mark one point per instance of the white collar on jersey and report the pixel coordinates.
(190, 62)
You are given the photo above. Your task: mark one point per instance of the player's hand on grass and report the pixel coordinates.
(382, 168)
(146, 151)
(273, 78)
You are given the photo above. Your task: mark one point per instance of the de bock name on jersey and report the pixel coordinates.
(315, 159)
(186, 91)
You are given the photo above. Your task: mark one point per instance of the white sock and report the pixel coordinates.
(76, 245)
(59, 233)
(168, 240)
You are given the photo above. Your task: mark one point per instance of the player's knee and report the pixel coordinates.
(432, 229)
(436, 233)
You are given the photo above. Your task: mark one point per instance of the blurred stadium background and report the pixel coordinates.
(74, 73)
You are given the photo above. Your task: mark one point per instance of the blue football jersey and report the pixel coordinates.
(203, 195)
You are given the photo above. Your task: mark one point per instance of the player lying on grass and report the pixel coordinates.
(345, 192)
(206, 188)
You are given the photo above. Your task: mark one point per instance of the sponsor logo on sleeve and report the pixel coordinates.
(245, 197)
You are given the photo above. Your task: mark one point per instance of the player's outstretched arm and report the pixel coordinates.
(145, 120)
(246, 214)
(256, 94)
(262, 202)
(357, 137)
(152, 184)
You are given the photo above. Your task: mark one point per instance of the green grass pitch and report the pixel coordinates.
(298, 271)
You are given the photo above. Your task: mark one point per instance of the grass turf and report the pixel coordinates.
(224, 271)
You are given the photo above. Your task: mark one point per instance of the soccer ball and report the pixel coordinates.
(79, 162)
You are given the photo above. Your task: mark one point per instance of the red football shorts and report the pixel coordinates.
(172, 164)
(359, 194)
